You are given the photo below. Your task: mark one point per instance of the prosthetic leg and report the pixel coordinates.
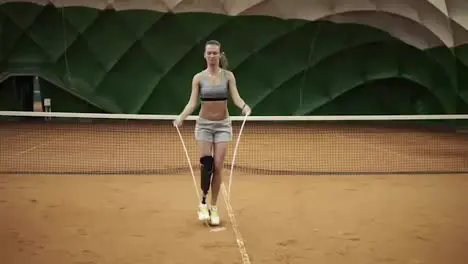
(206, 171)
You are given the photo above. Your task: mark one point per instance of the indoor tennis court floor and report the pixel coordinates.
(282, 219)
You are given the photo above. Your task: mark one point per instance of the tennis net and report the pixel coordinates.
(82, 143)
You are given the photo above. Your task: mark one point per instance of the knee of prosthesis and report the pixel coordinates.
(207, 168)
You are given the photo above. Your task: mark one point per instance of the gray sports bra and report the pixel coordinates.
(214, 92)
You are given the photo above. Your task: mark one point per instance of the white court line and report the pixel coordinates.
(12, 137)
(235, 227)
(378, 148)
(38, 146)
(227, 197)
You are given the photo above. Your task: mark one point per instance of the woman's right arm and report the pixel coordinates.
(193, 101)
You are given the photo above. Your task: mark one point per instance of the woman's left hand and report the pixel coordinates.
(246, 110)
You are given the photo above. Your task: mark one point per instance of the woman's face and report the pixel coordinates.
(212, 54)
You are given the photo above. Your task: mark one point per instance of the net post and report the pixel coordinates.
(47, 107)
(37, 101)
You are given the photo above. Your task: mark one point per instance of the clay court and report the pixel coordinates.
(81, 192)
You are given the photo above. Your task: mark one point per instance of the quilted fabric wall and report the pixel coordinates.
(143, 61)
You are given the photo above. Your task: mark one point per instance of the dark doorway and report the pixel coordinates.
(24, 90)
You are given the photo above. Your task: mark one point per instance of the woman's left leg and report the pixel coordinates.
(219, 156)
(220, 149)
(222, 137)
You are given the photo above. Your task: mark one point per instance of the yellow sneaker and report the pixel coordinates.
(214, 215)
(203, 212)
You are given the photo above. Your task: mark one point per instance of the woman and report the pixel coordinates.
(213, 129)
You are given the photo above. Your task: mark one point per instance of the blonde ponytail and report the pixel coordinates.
(223, 61)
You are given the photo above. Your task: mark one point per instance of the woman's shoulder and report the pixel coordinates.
(198, 75)
(228, 73)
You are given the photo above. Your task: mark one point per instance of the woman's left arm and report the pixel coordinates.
(236, 98)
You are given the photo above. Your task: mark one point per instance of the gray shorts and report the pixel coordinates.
(213, 131)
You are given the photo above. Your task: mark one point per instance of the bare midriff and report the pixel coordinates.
(214, 110)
